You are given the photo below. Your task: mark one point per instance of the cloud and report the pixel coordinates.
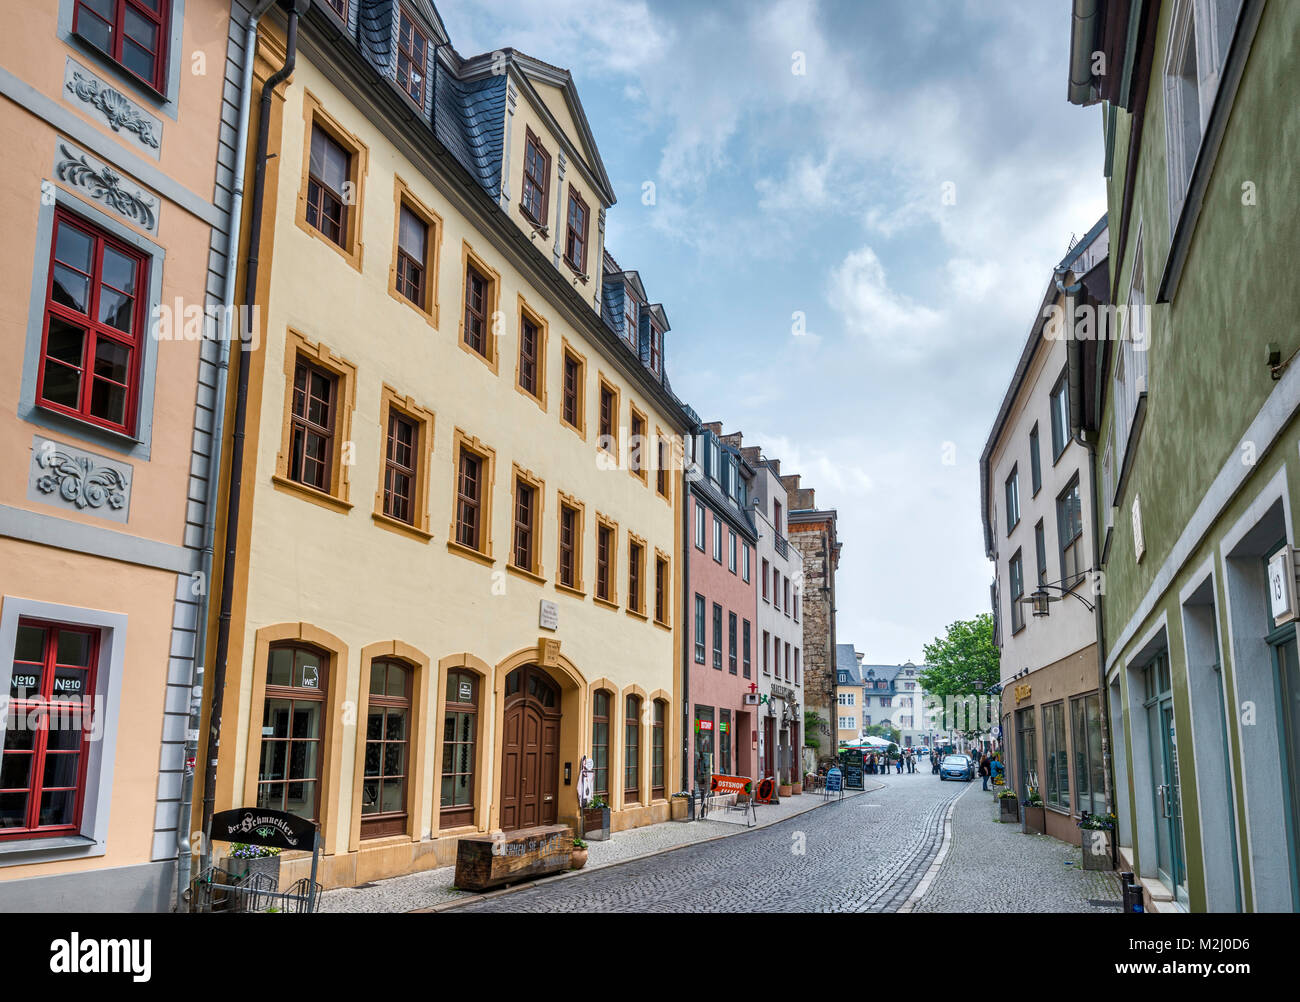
(870, 309)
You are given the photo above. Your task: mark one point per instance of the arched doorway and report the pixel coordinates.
(530, 749)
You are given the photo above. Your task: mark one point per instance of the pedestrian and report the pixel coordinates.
(986, 770)
(898, 764)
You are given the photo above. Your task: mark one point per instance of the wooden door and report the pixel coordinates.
(530, 751)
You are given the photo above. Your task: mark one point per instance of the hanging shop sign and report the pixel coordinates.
(265, 827)
(1023, 692)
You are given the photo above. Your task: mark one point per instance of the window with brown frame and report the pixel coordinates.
(661, 474)
(717, 636)
(293, 728)
(637, 445)
(315, 398)
(459, 741)
(469, 500)
(412, 256)
(575, 241)
(608, 430)
(529, 350)
(654, 349)
(570, 546)
(477, 287)
(524, 550)
(661, 590)
(328, 174)
(400, 468)
(632, 751)
(744, 650)
(657, 745)
(764, 578)
(412, 57)
(133, 33)
(340, 7)
(94, 319)
(732, 643)
(387, 755)
(604, 562)
(600, 743)
(636, 561)
(571, 412)
(537, 178)
(767, 665)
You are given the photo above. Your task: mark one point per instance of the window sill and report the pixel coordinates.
(524, 573)
(539, 401)
(48, 844)
(580, 432)
(351, 255)
(576, 592)
(468, 552)
(542, 228)
(638, 615)
(430, 316)
(489, 360)
(458, 830)
(663, 626)
(614, 606)
(311, 494)
(577, 272)
(401, 528)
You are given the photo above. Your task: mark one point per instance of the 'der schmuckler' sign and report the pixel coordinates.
(263, 826)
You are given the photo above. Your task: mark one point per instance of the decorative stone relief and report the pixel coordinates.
(65, 476)
(120, 112)
(103, 184)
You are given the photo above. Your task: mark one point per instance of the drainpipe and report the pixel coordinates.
(686, 621)
(184, 848)
(241, 409)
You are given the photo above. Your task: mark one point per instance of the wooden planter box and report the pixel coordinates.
(1096, 849)
(1036, 820)
(595, 824)
(1009, 810)
(484, 862)
(679, 808)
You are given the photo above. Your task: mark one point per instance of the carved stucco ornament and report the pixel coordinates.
(105, 185)
(79, 481)
(116, 109)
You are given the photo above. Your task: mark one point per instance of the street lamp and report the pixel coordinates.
(1041, 599)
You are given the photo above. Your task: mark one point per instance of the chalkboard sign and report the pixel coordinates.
(835, 780)
(851, 760)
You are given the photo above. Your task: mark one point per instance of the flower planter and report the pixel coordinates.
(578, 859)
(595, 824)
(797, 789)
(1095, 843)
(1036, 820)
(240, 868)
(1009, 810)
(679, 808)
(785, 790)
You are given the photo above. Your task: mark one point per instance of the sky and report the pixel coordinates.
(850, 210)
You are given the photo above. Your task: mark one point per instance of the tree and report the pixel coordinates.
(962, 665)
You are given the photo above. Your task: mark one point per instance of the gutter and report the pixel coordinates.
(686, 620)
(184, 848)
(1084, 22)
(241, 410)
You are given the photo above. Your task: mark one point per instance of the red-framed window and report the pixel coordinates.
(47, 735)
(575, 242)
(412, 57)
(94, 321)
(537, 174)
(133, 33)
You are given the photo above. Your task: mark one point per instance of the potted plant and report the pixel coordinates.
(595, 820)
(797, 786)
(579, 857)
(784, 789)
(679, 806)
(1095, 840)
(1008, 806)
(1035, 813)
(243, 859)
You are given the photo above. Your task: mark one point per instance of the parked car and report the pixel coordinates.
(957, 767)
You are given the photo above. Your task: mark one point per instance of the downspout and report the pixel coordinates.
(1074, 354)
(237, 436)
(686, 622)
(184, 849)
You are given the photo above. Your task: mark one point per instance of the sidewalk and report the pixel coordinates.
(993, 867)
(435, 888)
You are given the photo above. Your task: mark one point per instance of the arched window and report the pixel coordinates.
(297, 678)
(657, 749)
(388, 726)
(632, 751)
(600, 742)
(459, 741)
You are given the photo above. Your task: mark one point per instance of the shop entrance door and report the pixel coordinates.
(530, 750)
(1170, 863)
(1286, 662)
(769, 747)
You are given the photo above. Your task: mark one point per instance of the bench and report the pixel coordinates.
(484, 862)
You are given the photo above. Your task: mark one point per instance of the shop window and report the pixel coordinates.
(459, 749)
(1057, 793)
(632, 751)
(289, 777)
(387, 754)
(600, 743)
(657, 746)
(46, 742)
(724, 742)
(94, 316)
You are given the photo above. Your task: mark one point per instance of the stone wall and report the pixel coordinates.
(815, 541)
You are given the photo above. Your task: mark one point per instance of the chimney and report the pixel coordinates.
(791, 484)
(775, 466)
(751, 454)
(734, 439)
(712, 426)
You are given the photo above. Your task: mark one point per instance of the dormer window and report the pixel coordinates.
(537, 176)
(575, 242)
(654, 349)
(630, 319)
(412, 56)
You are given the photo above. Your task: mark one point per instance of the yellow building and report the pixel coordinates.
(454, 577)
(113, 218)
